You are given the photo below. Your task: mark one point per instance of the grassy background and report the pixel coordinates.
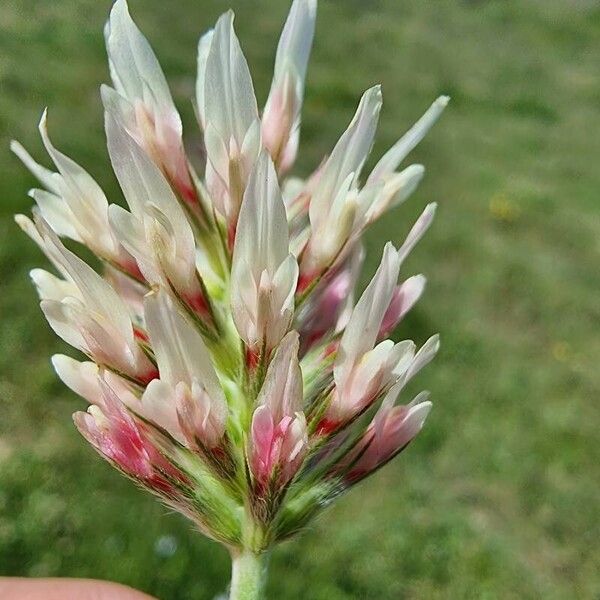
(498, 498)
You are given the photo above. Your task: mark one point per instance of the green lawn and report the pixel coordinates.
(498, 498)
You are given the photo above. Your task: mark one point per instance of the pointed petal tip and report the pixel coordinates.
(420, 398)
(119, 7)
(225, 20)
(375, 92)
(205, 40)
(291, 337)
(428, 214)
(421, 412)
(42, 125)
(105, 91)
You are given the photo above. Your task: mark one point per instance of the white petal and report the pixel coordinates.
(144, 186)
(134, 69)
(45, 176)
(140, 179)
(59, 317)
(410, 292)
(296, 38)
(262, 248)
(131, 234)
(218, 156)
(57, 213)
(98, 296)
(281, 116)
(82, 378)
(398, 152)
(282, 388)
(361, 332)
(396, 189)
(284, 283)
(419, 399)
(405, 183)
(29, 227)
(262, 232)
(348, 156)
(203, 50)
(97, 321)
(229, 100)
(424, 356)
(402, 357)
(104, 342)
(50, 287)
(158, 405)
(418, 231)
(413, 423)
(178, 346)
(82, 194)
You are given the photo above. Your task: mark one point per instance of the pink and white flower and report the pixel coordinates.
(229, 370)
(278, 435)
(142, 102)
(156, 231)
(84, 310)
(281, 117)
(391, 430)
(187, 399)
(264, 272)
(229, 116)
(73, 204)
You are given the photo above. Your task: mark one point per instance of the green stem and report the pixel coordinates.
(248, 574)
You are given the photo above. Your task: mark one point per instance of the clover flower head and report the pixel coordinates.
(230, 369)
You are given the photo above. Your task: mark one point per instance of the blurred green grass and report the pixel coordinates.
(498, 498)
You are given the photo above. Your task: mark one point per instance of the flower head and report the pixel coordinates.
(228, 368)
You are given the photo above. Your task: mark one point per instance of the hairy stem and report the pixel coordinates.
(248, 575)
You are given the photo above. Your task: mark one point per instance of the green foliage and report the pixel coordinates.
(498, 497)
